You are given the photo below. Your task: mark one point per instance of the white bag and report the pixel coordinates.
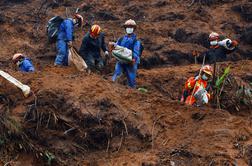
(76, 59)
(122, 54)
(201, 96)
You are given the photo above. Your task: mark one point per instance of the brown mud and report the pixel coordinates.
(74, 118)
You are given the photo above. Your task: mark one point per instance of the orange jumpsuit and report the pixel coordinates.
(189, 87)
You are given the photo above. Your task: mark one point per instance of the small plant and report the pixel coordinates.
(49, 157)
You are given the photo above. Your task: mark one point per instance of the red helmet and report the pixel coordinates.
(79, 19)
(214, 36)
(16, 57)
(207, 69)
(95, 30)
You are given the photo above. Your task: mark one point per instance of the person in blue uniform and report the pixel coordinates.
(65, 38)
(23, 63)
(129, 41)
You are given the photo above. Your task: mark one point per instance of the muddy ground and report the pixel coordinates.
(74, 118)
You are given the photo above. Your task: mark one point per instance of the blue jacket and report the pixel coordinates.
(26, 65)
(128, 41)
(66, 30)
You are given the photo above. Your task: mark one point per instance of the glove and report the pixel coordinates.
(70, 44)
(197, 78)
(106, 53)
(235, 43)
(111, 46)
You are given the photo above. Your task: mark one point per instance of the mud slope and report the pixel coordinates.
(79, 119)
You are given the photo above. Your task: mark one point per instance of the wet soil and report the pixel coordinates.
(75, 118)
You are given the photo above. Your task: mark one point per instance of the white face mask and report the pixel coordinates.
(129, 30)
(204, 77)
(214, 43)
(76, 24)
(19, 63)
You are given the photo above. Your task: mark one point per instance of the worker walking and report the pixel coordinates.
(196, 89)
(23, 63)
(65, 38)
(90, 50)
(131, 42)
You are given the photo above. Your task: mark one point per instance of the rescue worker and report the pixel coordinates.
(196, 89)
(220, 46)
(91, 46)
(23, 63)
(129, 41)
(65, 38)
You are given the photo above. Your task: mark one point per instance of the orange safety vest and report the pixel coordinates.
(190, 84)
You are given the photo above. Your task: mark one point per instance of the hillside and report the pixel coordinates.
(80, 119)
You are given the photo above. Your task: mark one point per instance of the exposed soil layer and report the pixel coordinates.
(75, 118)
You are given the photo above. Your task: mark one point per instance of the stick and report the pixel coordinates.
(120, 142)
(108, 146)
(191, 3)
(194, 88)
(222, 87)
(66, 12)
(153, 127)
(69, 130)
(126, 129)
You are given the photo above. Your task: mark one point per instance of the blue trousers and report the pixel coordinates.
(129, 70)
(62, 56)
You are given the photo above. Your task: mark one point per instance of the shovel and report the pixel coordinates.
(25, 89)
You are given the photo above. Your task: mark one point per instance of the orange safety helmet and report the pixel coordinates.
(79, 19)
(16, 57)
(95, 30)
(130, 23)
(207, 69)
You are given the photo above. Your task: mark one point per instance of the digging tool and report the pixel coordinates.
(25, 88)
(194, 88)
(195, 54)
(66, 12)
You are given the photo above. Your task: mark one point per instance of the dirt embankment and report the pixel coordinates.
(79, 119)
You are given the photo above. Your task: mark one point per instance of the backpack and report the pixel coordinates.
(52, 28)
(134, 42)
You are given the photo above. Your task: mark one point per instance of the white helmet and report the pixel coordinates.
(214, 36)
(130, 23)
(16, 57)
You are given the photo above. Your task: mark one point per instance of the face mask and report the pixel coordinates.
(129, 30)
(214, 43)
(204, 77)
(76, 24)
(19, 63)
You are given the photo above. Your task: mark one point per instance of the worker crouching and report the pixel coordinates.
(196, 89)
(23, 63)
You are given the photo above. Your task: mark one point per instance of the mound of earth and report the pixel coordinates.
(75, 118)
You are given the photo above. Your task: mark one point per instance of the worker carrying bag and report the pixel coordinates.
(122, 54)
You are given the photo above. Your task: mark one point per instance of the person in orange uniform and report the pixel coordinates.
(196, 89)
